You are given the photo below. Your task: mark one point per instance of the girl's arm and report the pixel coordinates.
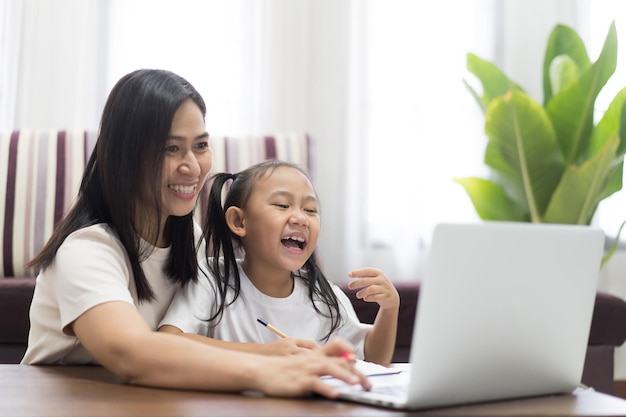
(119, 339)
(279, 347)
(374, 286)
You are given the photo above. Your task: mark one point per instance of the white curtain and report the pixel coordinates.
(249, 60)
(10, 41)
(52, 63)
(422, 127)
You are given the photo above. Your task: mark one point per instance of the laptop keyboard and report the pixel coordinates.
(394, 390)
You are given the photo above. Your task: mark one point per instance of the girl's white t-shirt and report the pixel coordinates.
(294, 315)
(91, 267)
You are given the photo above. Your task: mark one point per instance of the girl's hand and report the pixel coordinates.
(374, 287)
(288, 346)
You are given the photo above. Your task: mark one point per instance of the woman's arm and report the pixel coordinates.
(374, 286)
(279, 347)
(119, 339)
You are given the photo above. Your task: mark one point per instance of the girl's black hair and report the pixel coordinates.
(121, 180)
(222, 242)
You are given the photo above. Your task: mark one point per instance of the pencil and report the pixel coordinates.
(350, 357)
(272, 328)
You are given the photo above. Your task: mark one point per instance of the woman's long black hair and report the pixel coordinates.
(122, 178)
(224, 243)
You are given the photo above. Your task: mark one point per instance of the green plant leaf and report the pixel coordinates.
(490, 200)
(569, 204)
(523, 150)
(550, 163)
(571, 110)
(613, 120)
(614, 177)
(494, 82)
(609, 254)
(476, 95)
(563, 72)
(563, 40)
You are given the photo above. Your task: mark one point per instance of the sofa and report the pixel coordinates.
(43, 169)
(40, 172)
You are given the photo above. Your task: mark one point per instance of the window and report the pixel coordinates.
(423, 126)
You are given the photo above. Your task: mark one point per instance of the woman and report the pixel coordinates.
(109, 271)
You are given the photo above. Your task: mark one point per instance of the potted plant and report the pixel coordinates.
(550, 163)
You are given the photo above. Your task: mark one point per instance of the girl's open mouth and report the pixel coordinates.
(294, 242)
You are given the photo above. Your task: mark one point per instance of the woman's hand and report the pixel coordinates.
(299, 375)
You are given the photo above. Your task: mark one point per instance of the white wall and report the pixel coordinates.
(328, 124)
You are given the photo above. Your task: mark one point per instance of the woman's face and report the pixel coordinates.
(187, 161)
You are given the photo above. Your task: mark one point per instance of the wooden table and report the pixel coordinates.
(93, 391)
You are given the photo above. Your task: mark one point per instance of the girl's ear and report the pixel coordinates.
(235, 221)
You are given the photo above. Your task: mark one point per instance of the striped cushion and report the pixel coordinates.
(43, 169)
(232, 154)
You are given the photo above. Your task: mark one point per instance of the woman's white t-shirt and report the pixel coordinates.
(294, 315)
(91, 267)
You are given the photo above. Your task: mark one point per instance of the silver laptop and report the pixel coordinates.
(504, 312)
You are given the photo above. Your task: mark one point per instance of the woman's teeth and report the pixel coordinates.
(185, 189)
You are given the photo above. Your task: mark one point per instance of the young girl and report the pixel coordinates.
(110, 270)
(271, 213)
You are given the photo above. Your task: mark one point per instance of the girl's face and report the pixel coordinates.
(281, 221)
(188, 160)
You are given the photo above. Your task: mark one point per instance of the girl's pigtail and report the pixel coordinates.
(219, 238)
(320, 289)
